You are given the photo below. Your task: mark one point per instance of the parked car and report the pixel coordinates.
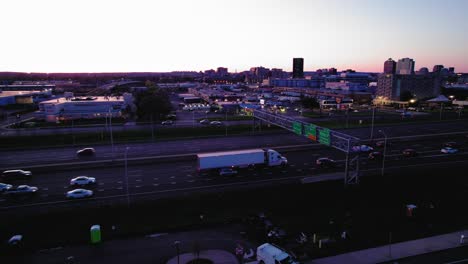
(167, 123)
(325, 163)
(21, 190)
(82, 180)
(205, 122)
(449, 150)
(216, 123)
(5, 187)
(375, 155)
(79, 193)
(409, 153)
(86, 152)
(227, 172)
(11, 175)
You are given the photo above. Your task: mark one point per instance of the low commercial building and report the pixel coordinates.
(22, 97)
(84, 108)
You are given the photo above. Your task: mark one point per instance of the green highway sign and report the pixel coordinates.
(311, 131)
(297, 128)
(324, 136)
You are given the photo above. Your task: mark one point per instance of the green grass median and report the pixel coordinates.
(102, 137)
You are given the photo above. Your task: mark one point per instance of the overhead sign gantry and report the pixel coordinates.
(323, 135)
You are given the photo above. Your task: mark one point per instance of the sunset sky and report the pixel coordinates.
(175, 35)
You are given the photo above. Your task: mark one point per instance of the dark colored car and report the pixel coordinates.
(325, 163)
(21, 190)
(375, 155)
(86, 152)
(380, 144)
(409, 153)
(5, 187)
(451, 144)
(11, 175)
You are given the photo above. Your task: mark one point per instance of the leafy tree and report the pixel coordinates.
(152, 103)
(309, 102)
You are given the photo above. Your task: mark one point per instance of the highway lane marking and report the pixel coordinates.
(190, 181)
(137, 186)
(172, 177)
(119, 182)
(119, 188)
(100, 190)
(173, 182)
(45, 189)
(101, 183)
(138, 180)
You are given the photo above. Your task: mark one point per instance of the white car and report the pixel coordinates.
(79, 193)
(362, 148)
(449, 150)
(216, 123)
(82, 180)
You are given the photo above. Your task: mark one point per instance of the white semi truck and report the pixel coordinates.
(240, 159)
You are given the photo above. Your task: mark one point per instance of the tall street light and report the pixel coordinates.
(384, 151)
(372, 124)
(110, 128)
(126, 176)
(383, 170)
(176, 245)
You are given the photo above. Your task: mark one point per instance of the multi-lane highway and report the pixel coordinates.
(19, 158)
(154, 180)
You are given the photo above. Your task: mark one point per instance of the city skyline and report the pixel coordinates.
(141, 36)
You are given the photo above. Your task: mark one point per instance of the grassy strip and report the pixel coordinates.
(76, 123)
(122, 136)
(229, 118)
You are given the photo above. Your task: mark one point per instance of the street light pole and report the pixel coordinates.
(441, 108)
(126, 177)
(110, 128)
(384, 152)
(176, 245)
(225, 122)
(372, 125)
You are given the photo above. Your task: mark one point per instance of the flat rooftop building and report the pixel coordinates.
(84, 107)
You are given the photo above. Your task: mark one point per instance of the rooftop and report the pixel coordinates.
(16, 93)
(62, 100)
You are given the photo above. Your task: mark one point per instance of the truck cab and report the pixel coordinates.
(274, 158)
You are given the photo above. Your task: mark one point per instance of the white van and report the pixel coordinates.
(270, 254)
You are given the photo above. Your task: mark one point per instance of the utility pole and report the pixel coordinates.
(126, 177)
(372, 125)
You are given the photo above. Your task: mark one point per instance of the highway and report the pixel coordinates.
(152, 181)
(21, 158)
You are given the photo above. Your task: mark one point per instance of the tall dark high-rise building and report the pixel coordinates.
(405, 66)
(437, 68)
(298, 68)
(332, 71)
(389, 66)
(451, 69)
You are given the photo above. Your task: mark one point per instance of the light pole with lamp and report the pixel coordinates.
(176, 245)
(126, 176)
(110, 129)
(383, 171)
(372, 123)
(384, 151)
